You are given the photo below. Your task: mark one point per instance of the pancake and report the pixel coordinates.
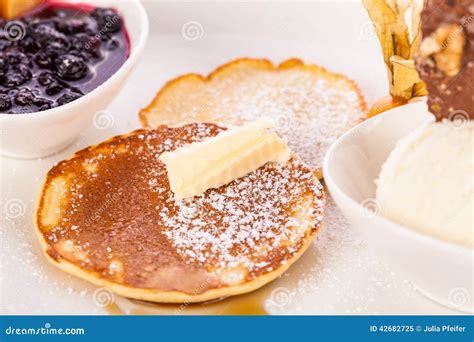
(310, 105)
(108, 216)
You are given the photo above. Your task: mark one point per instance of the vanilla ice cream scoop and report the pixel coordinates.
(427, 182)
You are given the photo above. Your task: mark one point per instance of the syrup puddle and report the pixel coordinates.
(245, 304)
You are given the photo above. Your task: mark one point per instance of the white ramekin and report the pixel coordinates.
(40, 134)
(441, 270)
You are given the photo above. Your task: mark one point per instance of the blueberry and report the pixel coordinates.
(54, 88)
(43, 60)
(40, 28)
(46, 78)
(5, 102)
(12, 92)
(39, 101)
(3, 66)
(74, 89)
(29, 44)
(4, 44)
(13, 78)
(67, 97)
(24, 71)
(107, 20)
(72, 26)
(56, 48)
(71, 67)
(16, 57)
(105, 37)
(24, 98)
(45, 33)
(51, 22)
(86, 43)
(42, 103)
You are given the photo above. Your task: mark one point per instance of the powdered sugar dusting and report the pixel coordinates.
(311, 108)
(311, 113)
(240, 224)
(239, 231)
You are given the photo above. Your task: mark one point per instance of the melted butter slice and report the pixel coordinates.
(216, 161)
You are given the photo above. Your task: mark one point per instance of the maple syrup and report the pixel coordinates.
(252, 303)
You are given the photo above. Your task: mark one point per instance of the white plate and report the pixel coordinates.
(338, 275)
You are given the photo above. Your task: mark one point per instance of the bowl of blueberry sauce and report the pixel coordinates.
(59, 65)
(57, 54)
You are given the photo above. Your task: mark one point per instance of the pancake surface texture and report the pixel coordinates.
(309, 105)
(107, 215)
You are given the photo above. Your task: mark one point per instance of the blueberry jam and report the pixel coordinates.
(57, 54)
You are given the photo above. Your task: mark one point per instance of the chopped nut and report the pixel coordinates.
(446, 46)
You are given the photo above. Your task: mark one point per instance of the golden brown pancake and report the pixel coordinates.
(107, 215)
(310, 105)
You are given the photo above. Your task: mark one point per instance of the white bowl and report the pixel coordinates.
(441, 270)
(39, 134)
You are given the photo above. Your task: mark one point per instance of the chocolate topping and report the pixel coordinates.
(446, 58)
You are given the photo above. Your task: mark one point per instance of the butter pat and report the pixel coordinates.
(216, 161)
